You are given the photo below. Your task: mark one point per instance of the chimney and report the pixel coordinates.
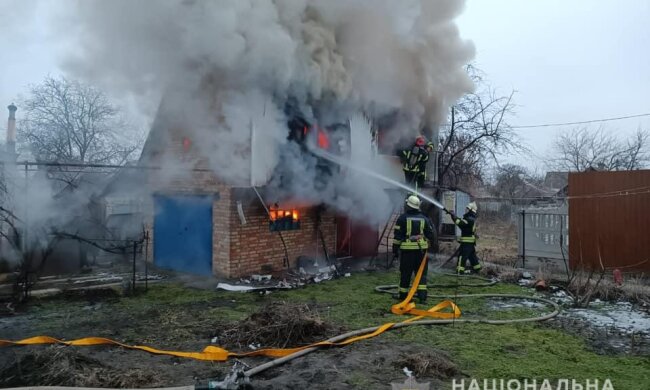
(11, 129)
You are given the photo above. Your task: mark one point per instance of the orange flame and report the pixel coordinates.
(323, 140)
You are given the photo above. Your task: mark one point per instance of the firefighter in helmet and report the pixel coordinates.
(413, 232)
(422, 173)
(414, 162)
(467, 240)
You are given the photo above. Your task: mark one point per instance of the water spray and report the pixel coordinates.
(346, 163)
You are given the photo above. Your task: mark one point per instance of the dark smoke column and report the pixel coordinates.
(11, 130)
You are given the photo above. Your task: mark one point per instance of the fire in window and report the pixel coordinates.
(283, 219)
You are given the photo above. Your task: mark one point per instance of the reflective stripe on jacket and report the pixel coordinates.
(412, 231)
(467, 226)
(414, 162)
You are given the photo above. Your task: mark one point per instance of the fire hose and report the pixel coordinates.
(407, 307)
(282, 356)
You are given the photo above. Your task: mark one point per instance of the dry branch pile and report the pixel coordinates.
(63, 366)
(279, 325)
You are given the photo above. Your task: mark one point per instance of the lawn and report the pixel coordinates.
(172, 316)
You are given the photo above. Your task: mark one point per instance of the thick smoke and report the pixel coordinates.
(232, 64)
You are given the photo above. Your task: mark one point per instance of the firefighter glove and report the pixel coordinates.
(395, 249)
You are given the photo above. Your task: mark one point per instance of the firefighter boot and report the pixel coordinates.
(402, 294)
(422, 294)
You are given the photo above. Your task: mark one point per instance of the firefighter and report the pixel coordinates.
(467, 240)
(413, 231)
(414, 162)
(422, 172)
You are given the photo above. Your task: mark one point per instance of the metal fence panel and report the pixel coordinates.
(610, 220)
(543, 233)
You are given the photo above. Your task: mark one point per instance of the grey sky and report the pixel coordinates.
(569, 60)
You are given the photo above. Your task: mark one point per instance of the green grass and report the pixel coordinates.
(481, 351)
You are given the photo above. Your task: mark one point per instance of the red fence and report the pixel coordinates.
(609, 220)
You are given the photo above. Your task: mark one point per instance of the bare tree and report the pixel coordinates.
(509, 181)
(67, 121)
(477, 132)
(580, 148)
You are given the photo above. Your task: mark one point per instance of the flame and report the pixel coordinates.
(276, 214)
(323, 139)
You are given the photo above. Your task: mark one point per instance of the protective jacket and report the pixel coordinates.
(413, 231)
(467, 250)
(467, 225)
(414, 160)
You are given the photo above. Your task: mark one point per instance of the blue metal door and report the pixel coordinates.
(183, 233)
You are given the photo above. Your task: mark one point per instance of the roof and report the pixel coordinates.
(556, 180)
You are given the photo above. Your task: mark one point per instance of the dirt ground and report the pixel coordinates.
(184, 327)
(190, 315)
(362, 365)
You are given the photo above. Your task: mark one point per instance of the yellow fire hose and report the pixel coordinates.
(214, 353)
(436, 317)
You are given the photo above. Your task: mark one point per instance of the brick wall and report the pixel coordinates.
(254, 248)
(221, 235)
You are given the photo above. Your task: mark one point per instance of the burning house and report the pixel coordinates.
(250, 90)
(260, 223)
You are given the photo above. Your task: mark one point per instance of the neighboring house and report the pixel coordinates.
(556, 181)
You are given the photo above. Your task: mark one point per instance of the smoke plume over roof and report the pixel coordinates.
(233, 62)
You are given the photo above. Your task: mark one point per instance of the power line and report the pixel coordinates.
(581, 122)
(574, 123)
(610, 194)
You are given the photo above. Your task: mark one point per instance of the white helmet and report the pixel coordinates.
(472, 207)
(413, 202)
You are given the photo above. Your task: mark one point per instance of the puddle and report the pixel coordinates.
(609, 328)
(619, 318)
(504, 304)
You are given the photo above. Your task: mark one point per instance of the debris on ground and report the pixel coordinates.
(309, 270)
(234, 287)
(260, 278)
(278, 325)
(315, 269)
(63, 366)
(427, 365)
(234, 380)
(504, 273)
(56, 284)
(540, 285)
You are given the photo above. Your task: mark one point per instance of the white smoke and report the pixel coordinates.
(226, 64)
